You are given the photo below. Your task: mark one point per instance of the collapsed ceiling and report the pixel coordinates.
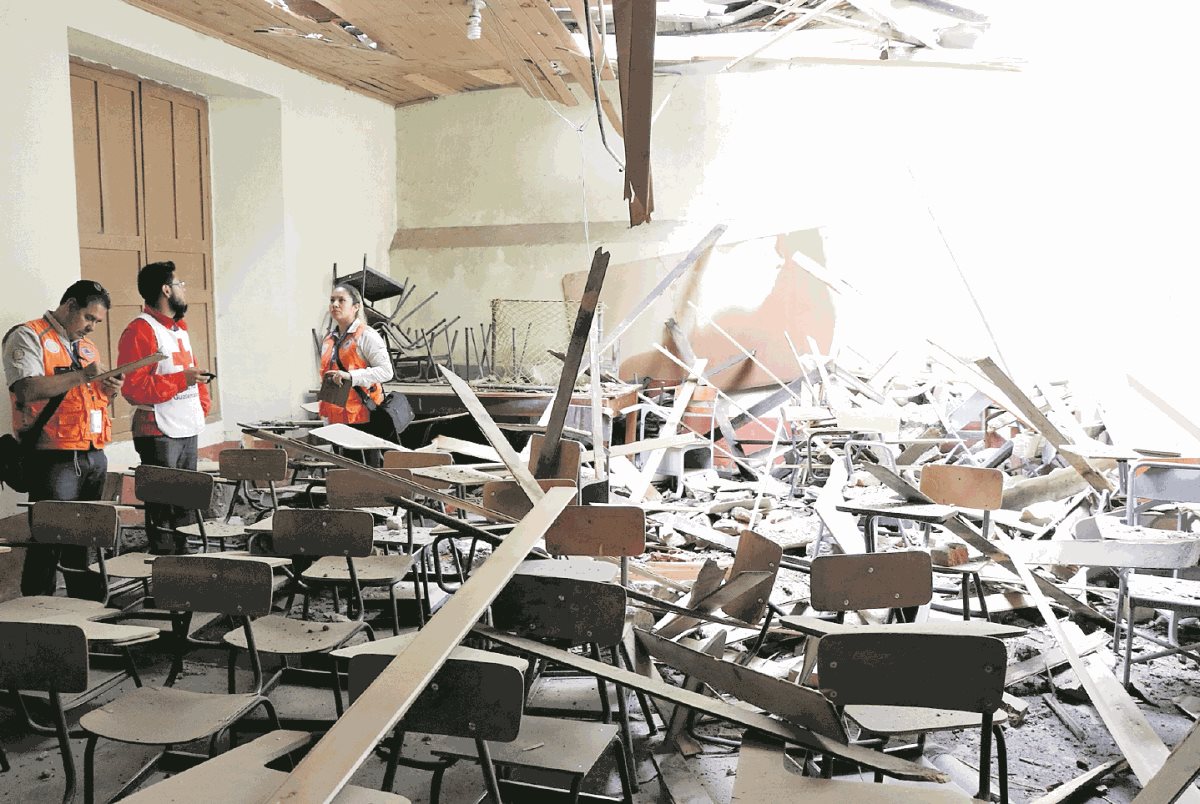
(406, 51)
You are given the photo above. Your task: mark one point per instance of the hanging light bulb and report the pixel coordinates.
(475, 20)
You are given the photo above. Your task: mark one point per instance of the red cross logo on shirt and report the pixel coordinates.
(182, 358)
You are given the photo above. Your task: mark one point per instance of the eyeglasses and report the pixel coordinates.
(179, 282)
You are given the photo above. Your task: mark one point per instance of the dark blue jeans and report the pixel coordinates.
(62, 475)
(171, 453)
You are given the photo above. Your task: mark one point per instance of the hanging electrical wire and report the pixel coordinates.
(586, 26)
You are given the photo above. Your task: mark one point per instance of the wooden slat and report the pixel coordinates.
(492, 433)
(548, 455)
(332, 761)
(1043, 425)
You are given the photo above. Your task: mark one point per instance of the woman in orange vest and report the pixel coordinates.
(353, 353)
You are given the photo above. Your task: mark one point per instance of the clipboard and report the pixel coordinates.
(148, 360)
(333, 393)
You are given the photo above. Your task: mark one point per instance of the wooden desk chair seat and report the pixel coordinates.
(921, 683)
(311, 534)
(167, 716)
(763, 777)
(248, 470)
(240, 774)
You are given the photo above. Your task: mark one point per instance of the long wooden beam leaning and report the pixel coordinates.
(332, 761)
(548, 457)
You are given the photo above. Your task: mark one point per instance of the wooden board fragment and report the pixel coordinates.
(332, 761)
(802, 706)
(1043, 425)
(1180, 770)
(492, 433)
(548, 457)
(634, 25)
(1068, 791)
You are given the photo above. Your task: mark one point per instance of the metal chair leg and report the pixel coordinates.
(64, 746)
(489, 771)
(982, 597)
(1001, 763)
(1128, 645)
(643, 701)
(985, 759)
(602, 686)
(626, 732)
(89, 767)
(395, 747)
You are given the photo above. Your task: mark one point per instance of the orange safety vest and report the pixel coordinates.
(355, 411)
(71, 425)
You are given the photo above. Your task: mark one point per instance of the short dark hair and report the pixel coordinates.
(152, 277)
(85, 293)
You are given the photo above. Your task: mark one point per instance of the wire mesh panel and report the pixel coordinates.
(525, 330)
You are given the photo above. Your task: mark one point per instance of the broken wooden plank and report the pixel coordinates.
(682, 397)
(1043, 425)
(333, 760)
(492, 433)
(1180, 770)
(1068, 791)
(634, 29)
(1052, 658)
(672, 626)
(802, 706)
(574, 359)
(715, 647)
(892, 766)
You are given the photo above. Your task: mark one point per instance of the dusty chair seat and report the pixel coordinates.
(763, 778)
(240, 774)
(216, 529)
(816, 627)
(575, 569)
(285, 635)
(892, 720)
(370, 569)
(563, 746)
(37, 606)
(127, 565)
(165, 715)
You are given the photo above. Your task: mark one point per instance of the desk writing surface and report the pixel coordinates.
(347, 437)
(457, 475)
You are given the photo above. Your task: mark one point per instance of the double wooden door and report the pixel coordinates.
(143, 193)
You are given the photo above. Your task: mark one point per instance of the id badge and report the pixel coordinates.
(97, 421)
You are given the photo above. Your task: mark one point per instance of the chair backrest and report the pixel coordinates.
(232, 586)
(42, 657)
(322, 532)
(566, 609)
(396, 460)
(475, 694)
(963, 486)
(347, 488)
(941, 671)
(755, 553)
(570, 456)
(253, 464)
(507, 497)
(178, 487)
(77, 523)
(598, 530)
(1162, 482)
(871, 581)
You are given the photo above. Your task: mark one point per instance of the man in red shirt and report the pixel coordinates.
(170, 398)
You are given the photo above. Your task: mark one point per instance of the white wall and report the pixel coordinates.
(303, 175)
(1065, 193)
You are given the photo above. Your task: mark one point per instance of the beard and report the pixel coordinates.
(178, 308)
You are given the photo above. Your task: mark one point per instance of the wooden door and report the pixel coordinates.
(106, 109)
(143, 194)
